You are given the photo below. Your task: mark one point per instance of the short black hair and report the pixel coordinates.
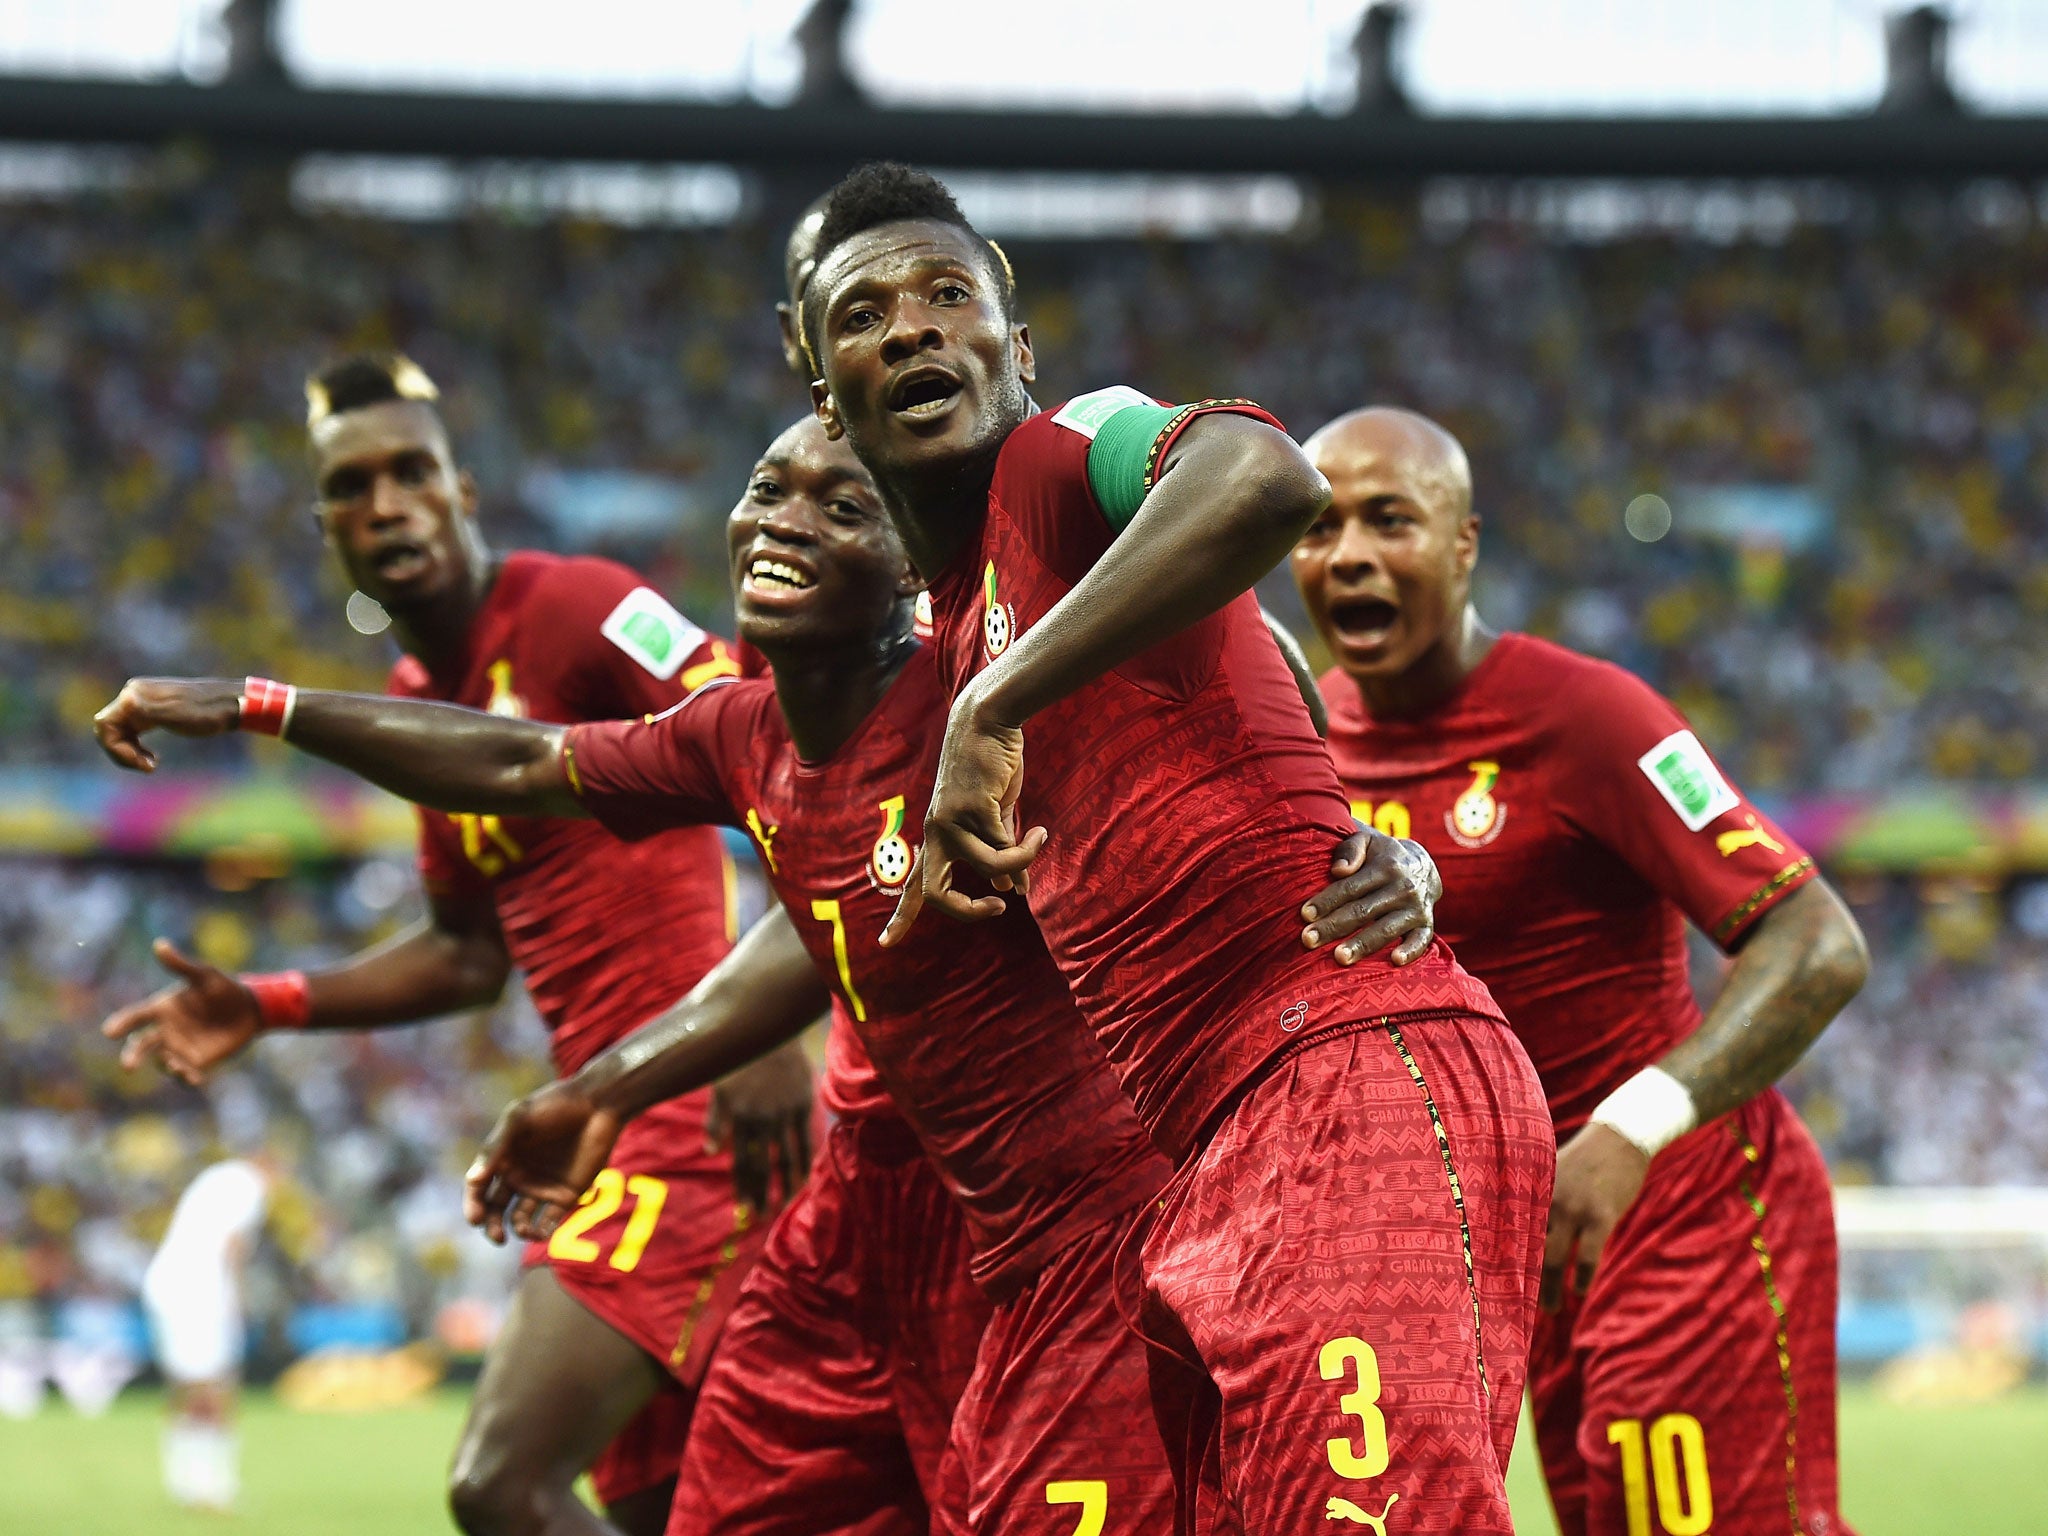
(889, 192)
(366, 378)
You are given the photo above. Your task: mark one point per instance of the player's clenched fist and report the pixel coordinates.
(190, 1027)
(185, 706)
(537, 1162)
(1599, 1174)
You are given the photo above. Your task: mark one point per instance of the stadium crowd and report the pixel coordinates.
(1843, 424)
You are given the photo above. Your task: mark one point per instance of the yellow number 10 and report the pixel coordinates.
(828, 912)
(1362, 1400)
(1677, 1470)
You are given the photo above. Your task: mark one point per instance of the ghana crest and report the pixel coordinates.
(1476, 817)
(998, 619)
(890, 859)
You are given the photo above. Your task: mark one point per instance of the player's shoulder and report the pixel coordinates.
(1584, 707)
(598, 602)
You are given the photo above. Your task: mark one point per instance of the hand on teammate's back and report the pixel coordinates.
(185, 706)
(763, 1112)
(1599, 1174)
(190, 1027)
(971, 824)
(1383, 889)
(538, 1160)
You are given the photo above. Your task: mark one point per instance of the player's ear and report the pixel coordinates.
(1020, 346)
(465, 487)
(792, 349)
(826, 409)
(1468, 543)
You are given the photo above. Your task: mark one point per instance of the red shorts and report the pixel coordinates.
(829, 1401)
(1695, 1383)
(1344, 1279)
(647, 1452)
(659, 1246)
(1056, 1434)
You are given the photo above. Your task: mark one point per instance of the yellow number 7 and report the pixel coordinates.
(1091, 1495)
(828, 912)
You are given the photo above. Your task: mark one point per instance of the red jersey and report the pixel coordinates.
(974, 1035)
(1191, 807)
(607, 933)
(848, 1088)
(1578, 822)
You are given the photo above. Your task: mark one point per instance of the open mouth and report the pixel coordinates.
(1363, 620)
(399, 562)
(924, 394)
(778, 575)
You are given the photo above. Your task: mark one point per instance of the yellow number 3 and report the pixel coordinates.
(1092, 1496)
(1362, 1400)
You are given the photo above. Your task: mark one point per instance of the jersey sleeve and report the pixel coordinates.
(674, 769)
(1073, 479)
(1637, 780)
(627, 649)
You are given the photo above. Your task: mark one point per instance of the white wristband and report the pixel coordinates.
(1651, 1110)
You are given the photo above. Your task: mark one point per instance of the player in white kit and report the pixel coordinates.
(193, 1294)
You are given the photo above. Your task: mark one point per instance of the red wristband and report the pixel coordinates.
(266, 707)
(284, 999)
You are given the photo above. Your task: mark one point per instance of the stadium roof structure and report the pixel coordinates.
(281, 119)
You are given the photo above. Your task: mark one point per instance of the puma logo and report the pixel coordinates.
(1752, 836)
(1344, 1509)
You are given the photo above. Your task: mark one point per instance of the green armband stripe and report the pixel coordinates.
(1120, 460)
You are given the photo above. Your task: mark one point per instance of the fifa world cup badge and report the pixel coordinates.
(889, 863)
(998, 622)
(1476, 817)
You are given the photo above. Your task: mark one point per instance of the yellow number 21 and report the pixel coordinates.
(607, 1192)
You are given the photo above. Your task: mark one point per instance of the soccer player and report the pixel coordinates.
(192, 1292)
(1687, 1361)
(979, 1043)
(631, 1291)
(1344, 1268)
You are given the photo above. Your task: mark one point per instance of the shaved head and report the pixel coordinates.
(799, 261)
(1407, 446)
(1386, 572)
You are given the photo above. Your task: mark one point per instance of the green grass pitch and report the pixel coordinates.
(1908, 1472)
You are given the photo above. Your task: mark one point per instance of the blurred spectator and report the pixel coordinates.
(1846, 424)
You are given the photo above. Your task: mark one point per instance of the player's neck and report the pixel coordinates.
(938, 510)
(437, 633)
(1438, 673)
(824, 699)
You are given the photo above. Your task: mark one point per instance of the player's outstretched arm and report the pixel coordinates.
(547, 1148)
(452, 960)
(440, 755)
(1803, 961)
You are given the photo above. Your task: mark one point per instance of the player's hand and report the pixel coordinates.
(188, 1028)
(1382, 889)
(763, 1112)
(537, 1162)
(1599, 1173)
(971, 825)
(182, 705)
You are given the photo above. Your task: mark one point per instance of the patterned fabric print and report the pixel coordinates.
(826, 1408)
(1060, 1412)
(1679, 1336)
(1310, 1261)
